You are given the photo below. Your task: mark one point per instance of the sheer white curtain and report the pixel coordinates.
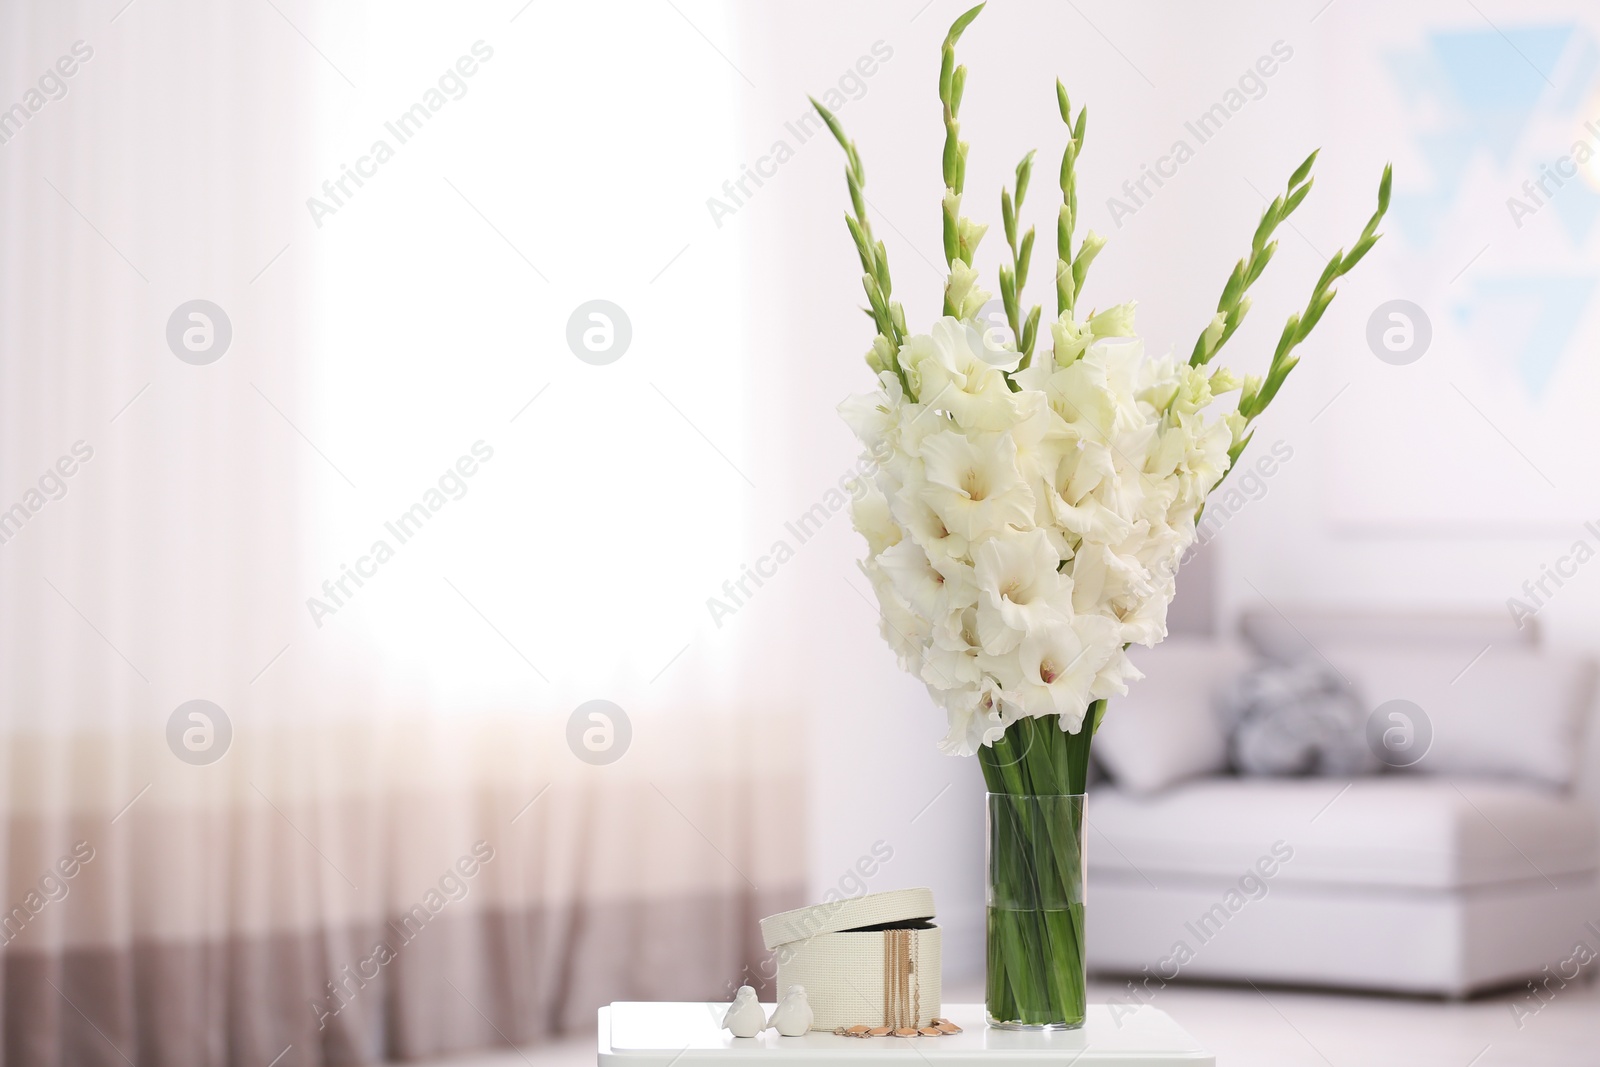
(188, 528)
(571, 165)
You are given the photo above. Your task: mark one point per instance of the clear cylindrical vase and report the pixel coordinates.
(1035, 921)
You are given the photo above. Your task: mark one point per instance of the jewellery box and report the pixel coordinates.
(870, 960)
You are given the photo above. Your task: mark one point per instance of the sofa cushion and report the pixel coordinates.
(1388, 831)
(1501, 712)
(1166, 729)
(1297, 718)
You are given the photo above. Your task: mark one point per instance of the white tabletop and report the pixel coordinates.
(668, 1034)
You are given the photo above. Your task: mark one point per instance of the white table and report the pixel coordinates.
(667, 1034)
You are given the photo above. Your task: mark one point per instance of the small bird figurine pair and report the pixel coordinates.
(791, 1018)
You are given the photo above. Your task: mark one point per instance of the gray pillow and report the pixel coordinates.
(1298, 718)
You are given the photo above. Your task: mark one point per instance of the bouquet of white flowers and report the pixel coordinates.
(1020, 540)
(1029, 510)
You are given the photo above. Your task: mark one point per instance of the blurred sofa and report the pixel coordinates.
(1475, 867)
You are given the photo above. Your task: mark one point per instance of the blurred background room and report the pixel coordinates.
(403, 405)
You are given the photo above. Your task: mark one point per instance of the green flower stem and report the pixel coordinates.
(1071, 270)
(885, 312)
(960, 236)
(1257, 395)
(1035, 916)
(1234, 304)
(1015, 277)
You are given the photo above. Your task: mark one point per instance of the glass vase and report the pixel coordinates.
(1034, 849)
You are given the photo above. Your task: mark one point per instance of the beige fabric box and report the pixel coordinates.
(870, 960)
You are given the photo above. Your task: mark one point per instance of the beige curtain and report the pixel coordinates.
(365, 891)
(398, 852)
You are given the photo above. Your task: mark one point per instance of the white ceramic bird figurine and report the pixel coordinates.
(745, 1017)
(792, 1017)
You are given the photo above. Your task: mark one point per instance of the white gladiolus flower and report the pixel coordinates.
(1042, 441)
(1113, 321)
(938, 593)
(948, 370)
(951, 668)
(1113, 679)
(871, 417)
(974, 484)
(964, 292)
(1060, 662)
(902, 629)
(1068, 339)
(912, 576)
(1022, 533)
(926, 526)
(1079, 394)
(975, 720)
(1019, 587)
(871, 516)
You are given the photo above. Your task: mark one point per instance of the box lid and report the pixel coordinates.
(874, 909)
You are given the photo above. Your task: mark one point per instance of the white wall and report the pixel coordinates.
(1451, 480)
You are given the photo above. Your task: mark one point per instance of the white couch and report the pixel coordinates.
(1421, 881)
